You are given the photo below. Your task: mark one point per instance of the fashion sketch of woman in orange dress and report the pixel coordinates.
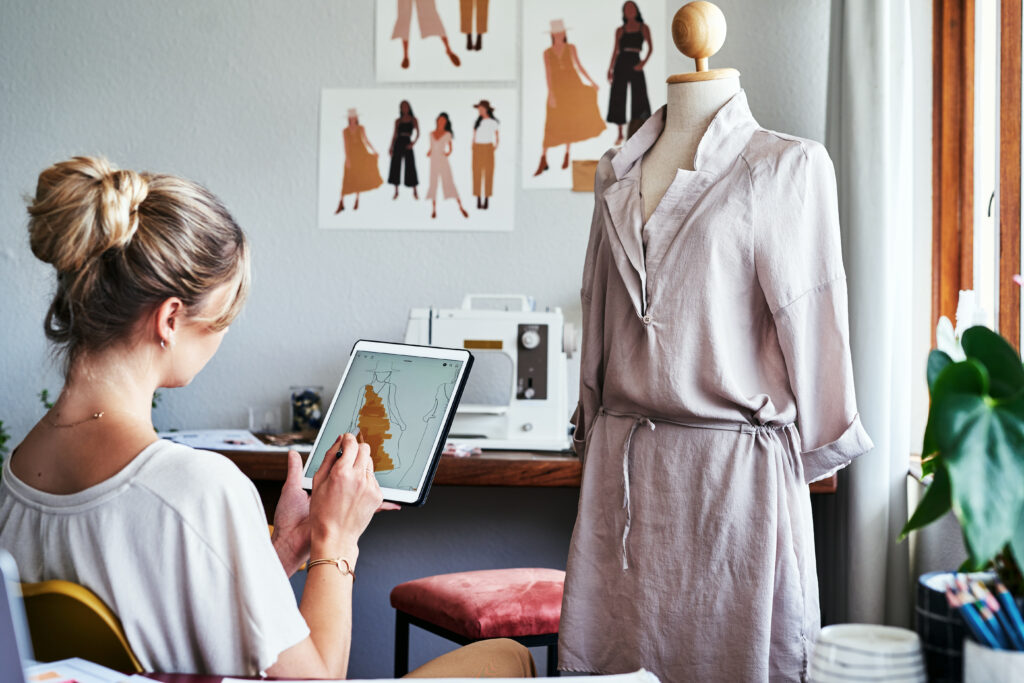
(440, 169)
(430, 25)
(627, 70)
(572, 111)
(361, 173)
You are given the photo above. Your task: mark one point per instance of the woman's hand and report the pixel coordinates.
(345, 496)
(291, 518)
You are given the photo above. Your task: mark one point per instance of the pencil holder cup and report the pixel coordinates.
(307, 407)
(985, 665)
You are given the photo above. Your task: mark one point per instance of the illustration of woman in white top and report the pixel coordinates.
(485, 144)
(430, 25)
(440, 170)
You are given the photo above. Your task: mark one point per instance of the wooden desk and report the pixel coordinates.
(493, 468)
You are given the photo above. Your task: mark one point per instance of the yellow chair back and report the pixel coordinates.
(68, 620)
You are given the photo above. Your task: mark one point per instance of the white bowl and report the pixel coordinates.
(867, 652)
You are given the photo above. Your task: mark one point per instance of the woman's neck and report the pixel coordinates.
(118, 382)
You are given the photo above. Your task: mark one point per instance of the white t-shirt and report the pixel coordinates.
(176, 544)
(486, 133)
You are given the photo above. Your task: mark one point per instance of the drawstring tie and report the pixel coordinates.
(625, 483)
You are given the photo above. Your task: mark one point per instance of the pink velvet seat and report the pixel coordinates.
(522, 604)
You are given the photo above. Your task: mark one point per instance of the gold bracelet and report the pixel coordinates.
(347, 571)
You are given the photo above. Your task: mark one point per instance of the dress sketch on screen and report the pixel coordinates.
(430, 25)
(430, 422)
(572, 111)
(361, 173)
(468, 11)
(402, 141)
(440, 170)
(376, 416)
(485, 143)
(627, 70)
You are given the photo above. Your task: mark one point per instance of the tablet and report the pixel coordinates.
(401, 400)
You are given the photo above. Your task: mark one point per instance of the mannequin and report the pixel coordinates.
(715, 382)
(698, 30)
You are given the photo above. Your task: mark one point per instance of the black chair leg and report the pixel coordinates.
(553, 660)
(401, 644)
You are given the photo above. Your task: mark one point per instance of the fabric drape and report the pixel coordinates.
(864, 572)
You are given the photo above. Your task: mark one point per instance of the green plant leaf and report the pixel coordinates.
(979, 439)
(935, 503)
(1001, 360)
(937, 362)
(1017, 542)
(966, 377)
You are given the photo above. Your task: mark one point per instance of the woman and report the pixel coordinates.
(402, 141)
(485, 143)
(361, 174)
(627, 69)
(572, 113)
(430, 25)
(151, 270)
(440, 170)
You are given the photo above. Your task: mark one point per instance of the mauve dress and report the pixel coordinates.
(715, 384)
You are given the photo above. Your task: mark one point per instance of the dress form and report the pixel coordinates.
(698, 30)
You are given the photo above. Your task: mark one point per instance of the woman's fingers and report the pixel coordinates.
(388, 506)
(349, 448)
(328, 463)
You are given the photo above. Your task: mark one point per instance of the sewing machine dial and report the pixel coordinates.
(530, 339)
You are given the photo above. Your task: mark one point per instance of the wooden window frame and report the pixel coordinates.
(953, 159)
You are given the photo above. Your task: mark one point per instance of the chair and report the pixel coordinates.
(68, 620)
(521, 604)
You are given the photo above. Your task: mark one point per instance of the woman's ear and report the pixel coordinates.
(167, 320)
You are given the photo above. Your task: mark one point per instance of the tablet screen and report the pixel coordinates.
(398, 404)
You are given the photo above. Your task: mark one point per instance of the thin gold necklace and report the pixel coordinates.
(94, 416)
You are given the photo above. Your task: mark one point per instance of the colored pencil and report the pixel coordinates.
(1010, 605)
(982, 592)
(971, 619)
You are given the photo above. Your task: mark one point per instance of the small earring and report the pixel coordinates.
(163, 344)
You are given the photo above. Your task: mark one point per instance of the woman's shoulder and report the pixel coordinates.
(179, 474)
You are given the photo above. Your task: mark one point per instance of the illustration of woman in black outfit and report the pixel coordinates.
(627, 69)
(401, 149)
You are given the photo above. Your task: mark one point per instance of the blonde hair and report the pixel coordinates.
(124, 242)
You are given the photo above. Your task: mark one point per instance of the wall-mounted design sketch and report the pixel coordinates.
(448, 156)
(446, 40)
(587, 76)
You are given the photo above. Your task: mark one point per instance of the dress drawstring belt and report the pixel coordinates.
(644, 420)
(625, 482)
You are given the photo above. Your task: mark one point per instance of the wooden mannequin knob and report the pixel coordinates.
(698, 30)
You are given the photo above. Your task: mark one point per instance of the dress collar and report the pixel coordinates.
(726, 136)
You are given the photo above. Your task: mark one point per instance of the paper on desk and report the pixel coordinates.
(641, 676)
(78, 670)
(218, 439)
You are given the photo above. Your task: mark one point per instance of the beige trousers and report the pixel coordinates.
(466, 8)
(497, 658)
(483, 169)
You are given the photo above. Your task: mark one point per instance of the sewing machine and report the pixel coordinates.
(517, 396)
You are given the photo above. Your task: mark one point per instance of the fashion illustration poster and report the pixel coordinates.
(446, 40)
(591, 73)
(418, 158)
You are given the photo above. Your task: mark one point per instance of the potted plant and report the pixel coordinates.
(974, 453)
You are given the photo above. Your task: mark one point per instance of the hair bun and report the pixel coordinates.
(82, 208)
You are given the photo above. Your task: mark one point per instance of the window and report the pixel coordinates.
(976, 158)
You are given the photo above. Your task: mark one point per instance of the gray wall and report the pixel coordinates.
(227, 93)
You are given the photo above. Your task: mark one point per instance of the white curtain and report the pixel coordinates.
(864, 572)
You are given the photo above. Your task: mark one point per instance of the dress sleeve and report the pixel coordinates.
(800, 270)
(591, 348)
